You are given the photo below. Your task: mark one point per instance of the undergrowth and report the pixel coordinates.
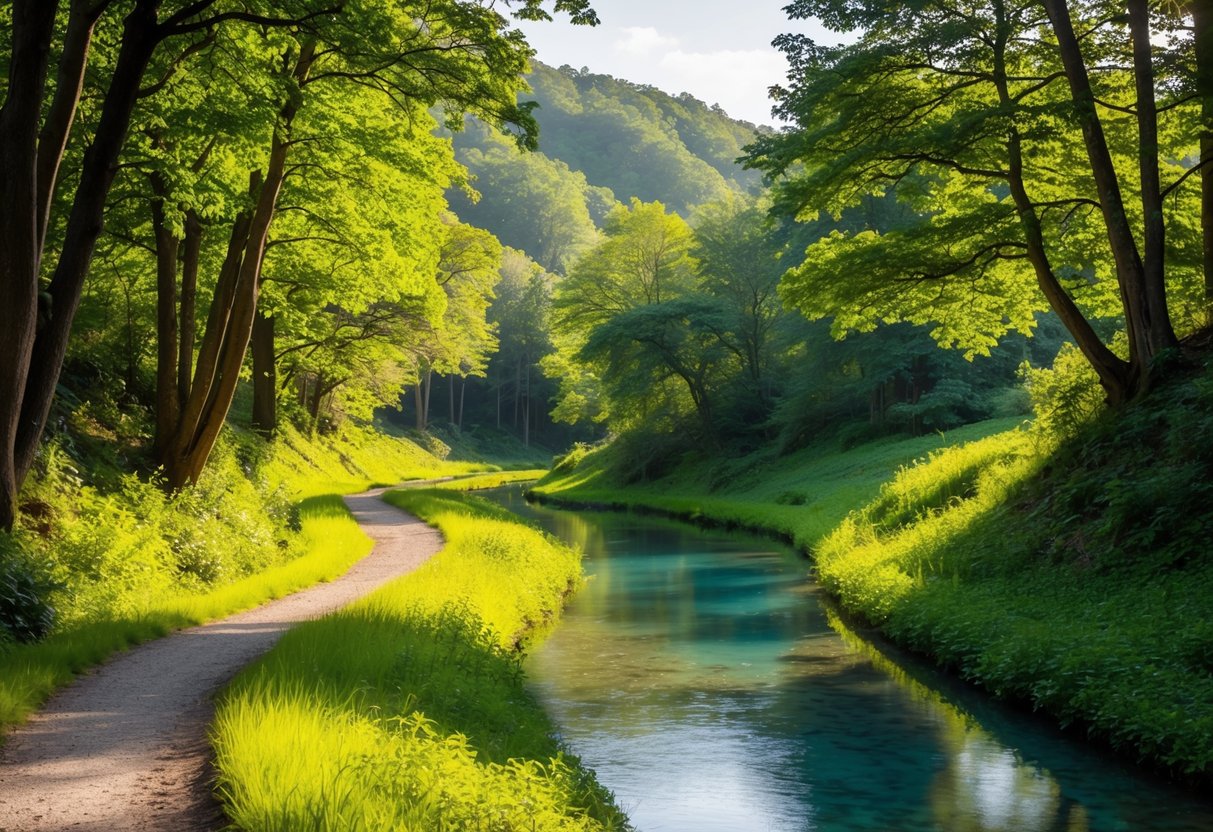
(407, 709)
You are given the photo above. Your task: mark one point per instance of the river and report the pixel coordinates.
(712, 687)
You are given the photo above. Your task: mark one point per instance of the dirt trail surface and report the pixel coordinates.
(124, 747)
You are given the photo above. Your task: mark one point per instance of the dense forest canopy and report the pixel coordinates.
(222, 200)
(225, 111)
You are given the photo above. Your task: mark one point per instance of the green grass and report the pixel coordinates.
(29, 673)
(479, 482)
(799, 498)
(133, 565)
(407, 710)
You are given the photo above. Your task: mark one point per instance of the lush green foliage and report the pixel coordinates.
(1069, 570)
(1020, 190)
(799, 497)
(407, 709)
(112, 561)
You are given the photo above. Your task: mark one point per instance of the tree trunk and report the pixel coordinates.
(313, 404)
(450, 389)
(463, 389)
(1162, 335)
(31, 28)
(1202, 26)
(192, 251)
(517, 389)
(420, 398)
(427, 386)
(69, 83)
(1148, 328)
(84, 224)
(265, 375)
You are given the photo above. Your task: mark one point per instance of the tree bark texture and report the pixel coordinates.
(1148, 326)
(265, 375)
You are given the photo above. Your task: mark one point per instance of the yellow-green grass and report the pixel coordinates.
(1079, 583)
(356, 460)
(29, 673)
(157, 601)
(480, 482)
(799, 498)
(407, 710)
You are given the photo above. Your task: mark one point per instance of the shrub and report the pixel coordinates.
(26, 613)
(1066, 396)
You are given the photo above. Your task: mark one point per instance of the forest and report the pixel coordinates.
(943, 331)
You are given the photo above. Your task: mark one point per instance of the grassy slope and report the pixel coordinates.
(1079, 582)
(313, 472)
(407, 710)
(800, 497)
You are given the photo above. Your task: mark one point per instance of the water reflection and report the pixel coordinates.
(712, 689)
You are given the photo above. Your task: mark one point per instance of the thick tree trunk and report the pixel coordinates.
(208, 405)
(265, 376)
(463, 389)
(191, 252)
(1202, 26)
(168, 405)
(69, 83)
(1148, 328)
(450, 391)
(1162, 335)
(140, 36)
(30, 34)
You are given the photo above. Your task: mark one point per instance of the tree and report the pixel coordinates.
(462, 339)
(644, 258)
(643, 348)
(963, 115)
(641, 274)
(36, 127)
(740, 262)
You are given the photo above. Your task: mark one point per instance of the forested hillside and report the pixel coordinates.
(626, 173)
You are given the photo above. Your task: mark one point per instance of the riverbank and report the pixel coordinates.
(1074, 578)
(407, 709)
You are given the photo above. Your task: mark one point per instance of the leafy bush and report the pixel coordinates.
(1066, 396)
(26, 613)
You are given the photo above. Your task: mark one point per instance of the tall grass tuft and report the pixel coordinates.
(407, 710)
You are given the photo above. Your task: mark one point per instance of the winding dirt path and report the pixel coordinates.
(124, 747)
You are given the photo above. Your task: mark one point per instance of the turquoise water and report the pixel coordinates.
(712, 688)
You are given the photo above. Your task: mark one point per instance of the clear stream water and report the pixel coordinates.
(709, 684)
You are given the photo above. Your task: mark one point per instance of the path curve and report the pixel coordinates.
(124, 747)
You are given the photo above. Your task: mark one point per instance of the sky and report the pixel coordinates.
(717, 50)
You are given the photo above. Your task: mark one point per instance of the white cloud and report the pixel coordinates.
(643, 40)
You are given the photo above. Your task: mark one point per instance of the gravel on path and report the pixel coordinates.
(124, 747)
